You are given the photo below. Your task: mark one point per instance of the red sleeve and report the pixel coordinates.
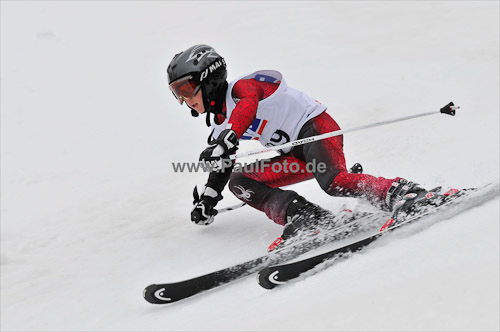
(249, 93)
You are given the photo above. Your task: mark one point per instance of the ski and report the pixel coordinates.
(165, 293)
(273, 276)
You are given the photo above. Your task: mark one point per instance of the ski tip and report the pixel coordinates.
(268, 278)
(155, 294)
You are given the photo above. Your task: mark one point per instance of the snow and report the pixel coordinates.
(92, 212)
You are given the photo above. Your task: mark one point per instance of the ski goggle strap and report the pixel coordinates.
(184, 88)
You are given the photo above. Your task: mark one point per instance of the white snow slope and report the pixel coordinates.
(92, 212)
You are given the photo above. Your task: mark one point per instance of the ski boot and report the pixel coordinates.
(303, 219)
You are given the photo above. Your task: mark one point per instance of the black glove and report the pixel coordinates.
(219, 150)
(203, 212)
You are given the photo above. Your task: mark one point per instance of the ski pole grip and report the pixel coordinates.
(450, 109)
(195, 216)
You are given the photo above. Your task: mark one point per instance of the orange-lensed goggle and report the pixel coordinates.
(184, 88)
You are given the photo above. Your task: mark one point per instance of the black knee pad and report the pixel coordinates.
(238, 179)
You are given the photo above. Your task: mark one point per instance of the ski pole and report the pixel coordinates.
(450, 109)
(232, 207)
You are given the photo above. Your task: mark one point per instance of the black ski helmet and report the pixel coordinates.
(204, 69)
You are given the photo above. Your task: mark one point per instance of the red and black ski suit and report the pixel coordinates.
(265, 183)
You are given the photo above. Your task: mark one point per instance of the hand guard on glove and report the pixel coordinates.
(203, 212)
(219, 150)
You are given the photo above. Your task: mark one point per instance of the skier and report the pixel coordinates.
(260, 106)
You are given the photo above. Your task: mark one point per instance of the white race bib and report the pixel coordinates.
(280, 116)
